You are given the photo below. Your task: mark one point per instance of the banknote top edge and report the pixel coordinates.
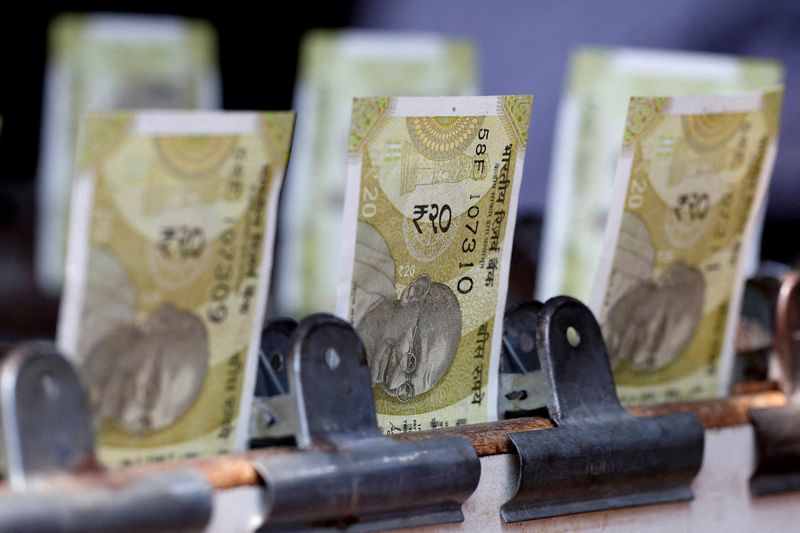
(641, 61)
(166, 122)
(323, 52)
(366, 44)
(196, 37)
(622, 66)
(128, 27)
(738, 102)
(445, 106)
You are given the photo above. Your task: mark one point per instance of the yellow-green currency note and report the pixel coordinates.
(429, 220)
(170, 251)
(335, 66)
(590, 123)
(692, 175)
(103, 62)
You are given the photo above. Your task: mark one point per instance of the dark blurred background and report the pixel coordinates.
(523, 47)
(258, 52)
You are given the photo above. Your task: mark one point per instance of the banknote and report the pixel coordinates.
(103, 62)
(431, 202)
(170, 251)
(590, 123)
(336, 66)
(693, 172)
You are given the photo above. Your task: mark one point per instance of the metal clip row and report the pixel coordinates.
(599, 456)
(345, 473)
(777, 430)
(46, 432)
(314, 391)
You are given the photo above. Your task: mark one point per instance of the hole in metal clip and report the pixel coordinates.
(526, 342)
(268, 419)
(517, 395)
(276, 360)
(50, 387)
(332, 358)
(573, 337)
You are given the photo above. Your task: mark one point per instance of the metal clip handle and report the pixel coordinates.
(47, 430)
(271, 416)
(599, 456)
(346, 474)
(787, 335)
(176, 501)
(777, 430)
(272, 375)
(523, 391)
(43, 414)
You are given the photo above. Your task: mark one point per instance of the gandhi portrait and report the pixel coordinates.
(411, 339)
(653, 322)
(144, 378)
(141, 374)
(651, 318)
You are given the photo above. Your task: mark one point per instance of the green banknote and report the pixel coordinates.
(431, 203)
(170, 251)
(105, 62)
(590, 123)
(693, 172)
(336, 66)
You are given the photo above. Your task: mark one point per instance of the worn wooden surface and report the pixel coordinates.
(492, 438)
(237, 470)
(722, 501)
(222, 471)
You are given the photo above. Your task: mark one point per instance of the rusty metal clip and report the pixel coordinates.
(777, 430)
(44, 419)
(523, 391)
(755, 334)
(47, 432)
(346, 475)
(271, 415)
(599, 456)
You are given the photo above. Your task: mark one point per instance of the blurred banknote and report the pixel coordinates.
(170, 251)
(693, 172)
(432, 192)
(336, 66)
(590, 124)
(101, 63)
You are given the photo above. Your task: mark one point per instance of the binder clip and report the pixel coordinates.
(755, 333)
(47, 433)
(345, 475)
(599, 456)
(777, 429)
(523, 390)
(271, 413)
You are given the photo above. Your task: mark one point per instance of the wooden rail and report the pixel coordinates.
(235, 470)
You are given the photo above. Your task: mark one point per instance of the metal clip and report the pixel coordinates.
(599, 456)
(346, 474)
(755, 332)
(777, 430)
(523, 391)
(47, 431)
(43, 415)
(271, 413)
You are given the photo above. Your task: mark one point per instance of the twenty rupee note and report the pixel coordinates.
(429, 221)
(692, 175)
(170, 248)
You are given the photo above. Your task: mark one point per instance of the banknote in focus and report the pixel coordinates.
(590, 123)
(170, 248)
(431, 202)
(105, 62)
(336, 66)
(692, 175)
